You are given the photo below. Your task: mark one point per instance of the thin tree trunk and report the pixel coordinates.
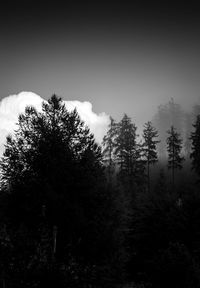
(148, 176)
(110, 163)
(54, 242)
(173, 164)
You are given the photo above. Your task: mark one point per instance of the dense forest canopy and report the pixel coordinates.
(78, 214)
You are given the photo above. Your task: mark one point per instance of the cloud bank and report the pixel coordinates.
(13, 105)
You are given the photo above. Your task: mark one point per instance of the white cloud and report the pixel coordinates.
(13, 105)
(97, 123)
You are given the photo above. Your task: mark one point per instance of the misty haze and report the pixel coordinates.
(99, 144)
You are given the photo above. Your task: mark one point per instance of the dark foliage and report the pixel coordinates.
(195, 153)
(58, 202)
(72, 216)
(174, 149)
(149, 150)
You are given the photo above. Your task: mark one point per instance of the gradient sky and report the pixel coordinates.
(121, 57)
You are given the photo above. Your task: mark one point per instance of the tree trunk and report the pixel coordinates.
(148, 176)
(54, 242)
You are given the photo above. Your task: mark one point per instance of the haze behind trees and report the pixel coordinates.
(75, 214)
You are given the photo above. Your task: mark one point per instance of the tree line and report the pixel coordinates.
(132, 157)
(75, 214)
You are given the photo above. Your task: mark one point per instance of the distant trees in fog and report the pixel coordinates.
(167, 138)
(170, 114)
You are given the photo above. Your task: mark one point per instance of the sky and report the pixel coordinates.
(120, 57)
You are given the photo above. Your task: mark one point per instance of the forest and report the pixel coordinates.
(122, 214)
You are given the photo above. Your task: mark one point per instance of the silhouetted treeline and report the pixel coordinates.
(75, 214)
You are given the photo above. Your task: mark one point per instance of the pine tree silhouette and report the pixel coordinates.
(174, 147)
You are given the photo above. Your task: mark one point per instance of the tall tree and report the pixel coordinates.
(128, 152)
(53, 160)
(149, 147)
(195, 153)
(174, 147)
(109, 147)
(187, 131)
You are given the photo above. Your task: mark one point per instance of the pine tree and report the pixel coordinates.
(109, 147)
(128, 152)
(149, 147)
(53, 160)
(174, 147)
(187, 132)
(195, 154)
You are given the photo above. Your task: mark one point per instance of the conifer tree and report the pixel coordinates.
(195, 154)
(53, 160)
(109, 147)
(174, 147)
(149, 147)
(128, 152)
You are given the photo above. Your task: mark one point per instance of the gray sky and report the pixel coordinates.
(120, 57)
